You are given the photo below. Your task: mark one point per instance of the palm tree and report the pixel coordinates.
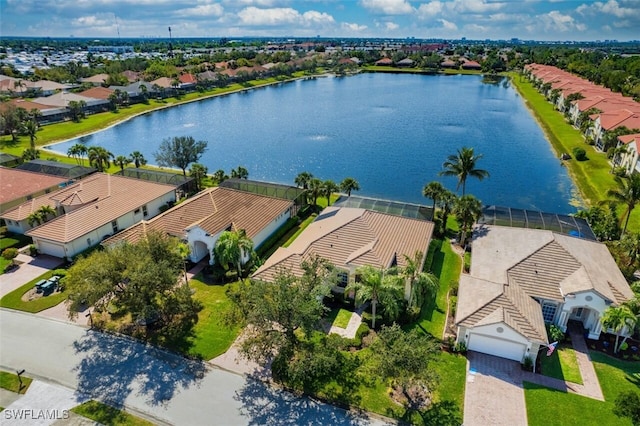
(122, 161)
(447, 202)
(433, 190)
(302, 180)
(30, 154)
(628, 193)
(240, 173)
(617, 318)
(468, 210)
(349, 184)
(34, 219)
(328, 188)
(631, 244)
(77, 151)
(421, 284)
(45, 212)
(377, 286)
(315, 190)
(137, 159)
(615, 155)
(220, 176)
(198, 172)
(31, 129)
(462, 165)
(232, 247)
(99, 158)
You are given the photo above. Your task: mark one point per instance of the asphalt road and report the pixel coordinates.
(163, 386)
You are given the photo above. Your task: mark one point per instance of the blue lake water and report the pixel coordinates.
(391, 132)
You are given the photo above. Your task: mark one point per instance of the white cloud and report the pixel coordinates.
(391, 26)
(611, 7)
(556, 21)
(430, 9)
(261, 3)
(448, 25)
(317, 17)
(276, 16)
(202, 11)
(353, 27)
(388, 7)
(475, 6)
(91, 21)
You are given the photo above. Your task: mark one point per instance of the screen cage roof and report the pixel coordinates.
(56, 168)
(155, 176)
(414, 211)
(520, 218)
(268, 189)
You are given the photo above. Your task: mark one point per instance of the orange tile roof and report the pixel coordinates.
(213, 210)
(93, 202)
(97, 93)
(16, 183)
(352, 237)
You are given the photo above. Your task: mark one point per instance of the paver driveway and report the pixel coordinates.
(493, 394)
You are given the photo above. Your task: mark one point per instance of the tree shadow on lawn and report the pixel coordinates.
(112, 368)
(263, 405)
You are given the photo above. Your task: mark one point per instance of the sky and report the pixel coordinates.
(563, 20)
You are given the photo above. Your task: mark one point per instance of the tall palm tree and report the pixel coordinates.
(615, 156)
(220, 176)
(328, 188)
(447, 203)
(302, 180)
(122, 161)
(34, 219)
(30, 154)
(468, 210)
(421, 284)
(462, 165)
(631, 244)
(315, 190)
(31, 129)
(138, 159)
(433, 190)
(198, 172)
(377, 286)
(628, 193)
(240, 173)
(78, 151)
(232, 247)
(617, 318)
(99, 158)
(349, 184)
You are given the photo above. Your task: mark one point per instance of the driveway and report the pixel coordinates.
(493, 393)
(165, 387)
(30, 268)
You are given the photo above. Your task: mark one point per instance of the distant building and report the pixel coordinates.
(113, 49)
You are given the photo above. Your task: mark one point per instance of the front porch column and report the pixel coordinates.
(562, 322)
(597, 327)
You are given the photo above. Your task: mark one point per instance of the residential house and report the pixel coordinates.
(630, 159)
(96, 80)
(349, 238)
(89, 211)
(62, 99)
(201, 219)
(521, 279)
(608, 121)
(471, 65)
(384, 62)
(405, 63)
(19, 186)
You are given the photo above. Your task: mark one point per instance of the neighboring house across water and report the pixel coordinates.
(630, 159)
(88, 211)
(521, 279)
(349, 238)
(18, 186)
(201, 220)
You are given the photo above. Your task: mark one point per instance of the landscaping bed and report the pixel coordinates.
(606, 344)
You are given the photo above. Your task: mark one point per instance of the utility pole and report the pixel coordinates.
(170, 44)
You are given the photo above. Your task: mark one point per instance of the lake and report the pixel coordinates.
(391, 132)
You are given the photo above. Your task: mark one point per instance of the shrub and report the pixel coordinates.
(33, 251)
(624, 346)
(460, 347)
(454, 288)
(453, 303)
(620, 171)
(555, 334)
(10, 253)
(527, 363)
(579, 154)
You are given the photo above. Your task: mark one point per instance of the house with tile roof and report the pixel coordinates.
(630, 159)
(521, 279)
(88, 211)
(201, 220)
(19, 186)
(349, 238)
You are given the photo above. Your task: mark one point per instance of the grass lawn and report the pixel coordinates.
(452, 372)
(592, 177)
(107, 415)
(9, 239)
(14, 300)
(545, 406)
(562, 364)
(10, 382)
(446, 266)
(211, 336)
(339, 317)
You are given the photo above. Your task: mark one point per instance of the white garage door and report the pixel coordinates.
(498, 347)
(50, 249)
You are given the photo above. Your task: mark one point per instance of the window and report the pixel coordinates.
(114, 225)
(145, 213)
(88, 241)
(578, 313)
(343, 279)
(136, 211)
(548, 311)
